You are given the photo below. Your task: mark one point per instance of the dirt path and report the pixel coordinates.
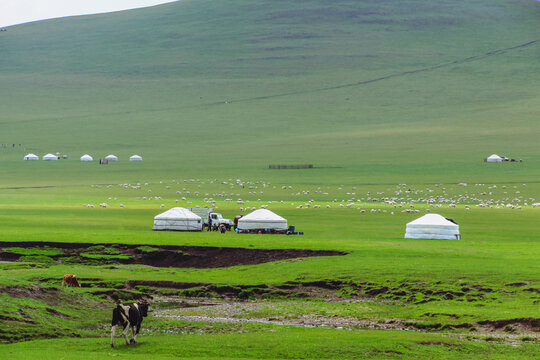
(236, 312)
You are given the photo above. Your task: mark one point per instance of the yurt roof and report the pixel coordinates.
(262, 215)
(177, 213)
(432, 219)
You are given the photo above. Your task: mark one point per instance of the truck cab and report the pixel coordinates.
(218, 219)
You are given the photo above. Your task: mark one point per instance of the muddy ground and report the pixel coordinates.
(230, 311)
(158, 256)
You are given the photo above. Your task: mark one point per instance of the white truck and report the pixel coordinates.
(208, 213)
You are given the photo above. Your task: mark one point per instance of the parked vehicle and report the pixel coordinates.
(208, 213)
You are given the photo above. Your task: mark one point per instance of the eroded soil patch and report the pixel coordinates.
(158, 256)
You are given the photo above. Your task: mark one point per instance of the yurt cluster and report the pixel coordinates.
(261, 221)
(264, 221)
(85, 157)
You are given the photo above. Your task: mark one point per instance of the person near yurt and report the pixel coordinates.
(135, 158)
(31, 157)
(178, 219)
(494, 158)
(87, 157)
(111, 157)
(432, 226)
(50, 157)
(262, 221)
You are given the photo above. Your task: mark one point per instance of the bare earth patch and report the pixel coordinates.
(164, 256)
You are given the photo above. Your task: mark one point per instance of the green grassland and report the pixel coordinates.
(282, 344)
(373, 93)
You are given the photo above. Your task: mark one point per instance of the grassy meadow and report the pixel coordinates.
(395, 103)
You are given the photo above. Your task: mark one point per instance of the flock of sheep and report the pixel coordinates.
(402, 197)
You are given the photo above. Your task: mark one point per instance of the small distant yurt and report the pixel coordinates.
(111, 158)
(262, 219)
(178, 219)
(87, 157)
(135, 158)
(31, 157)
(50, 157)
(494, 158)
(432, 226)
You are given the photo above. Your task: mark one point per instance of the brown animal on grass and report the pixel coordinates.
(70, 280)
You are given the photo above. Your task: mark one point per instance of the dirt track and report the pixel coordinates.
(230, 311)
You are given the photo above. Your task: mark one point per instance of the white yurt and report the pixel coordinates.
(87, 157)
(50, 157)
(111, 157)
(31, 157)
(178, 219)
(135, 158)
(432, 226)
(494, 158)
(262, 219)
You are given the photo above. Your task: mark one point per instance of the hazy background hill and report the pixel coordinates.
(385, 89)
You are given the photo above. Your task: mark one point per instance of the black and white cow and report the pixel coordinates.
(129, 316)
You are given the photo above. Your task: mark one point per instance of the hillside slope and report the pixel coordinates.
(373, 85)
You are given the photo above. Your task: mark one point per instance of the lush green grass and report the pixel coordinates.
(282, 343)
(375, 93)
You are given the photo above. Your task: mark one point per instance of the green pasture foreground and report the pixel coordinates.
(289, 343)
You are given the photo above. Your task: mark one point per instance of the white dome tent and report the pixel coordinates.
(262, 219)
(178, 219)
(31, 157)
(87, 157)
(111, 157)
(50, 157)
(432, 226)
(135, 158)
(494, 158)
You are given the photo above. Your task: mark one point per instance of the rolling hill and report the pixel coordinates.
(383, 89)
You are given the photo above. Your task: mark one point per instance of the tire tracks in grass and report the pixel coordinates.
(395, 75)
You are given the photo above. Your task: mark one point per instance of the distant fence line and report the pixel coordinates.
(306, 166)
